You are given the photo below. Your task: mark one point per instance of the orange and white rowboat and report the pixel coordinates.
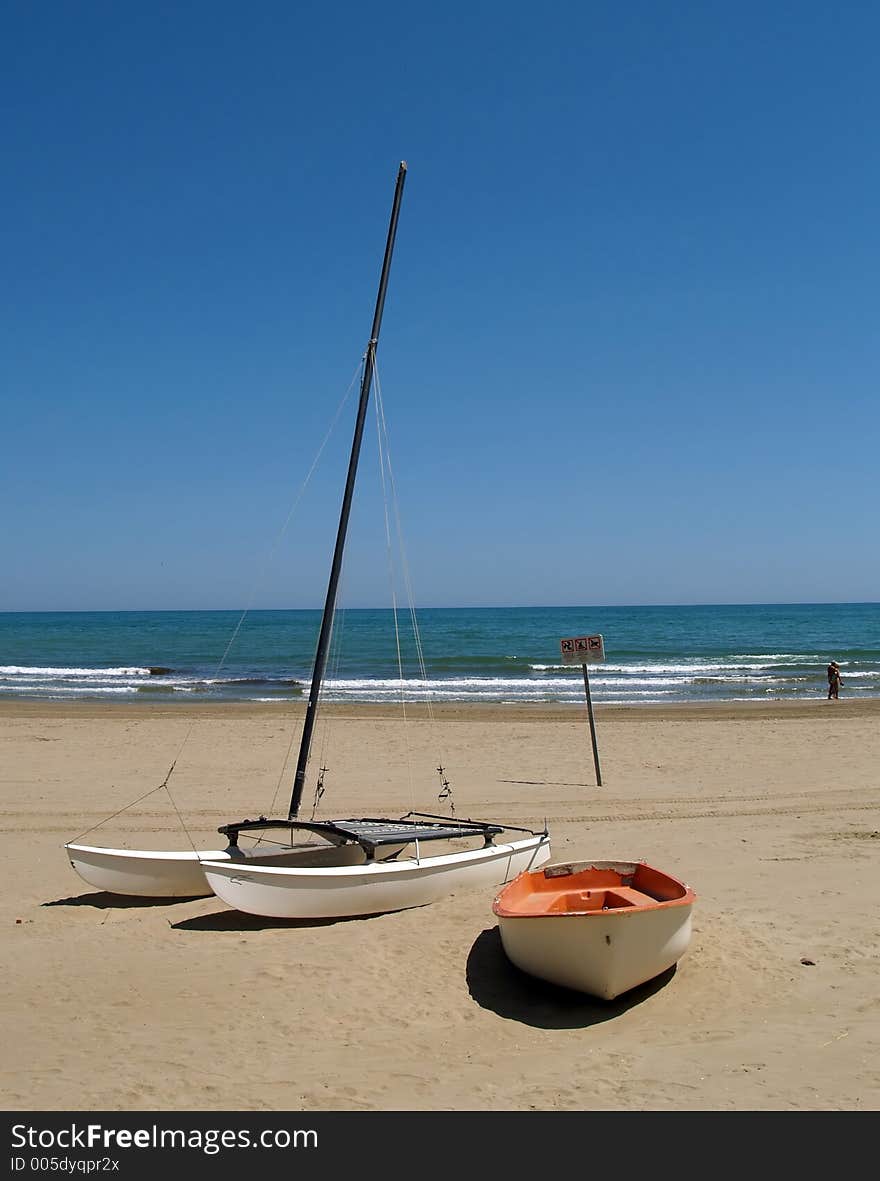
(600, 927)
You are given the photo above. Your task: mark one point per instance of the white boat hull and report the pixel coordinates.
(606, 950)
(603, 955)
(141, 873)
(373, 888)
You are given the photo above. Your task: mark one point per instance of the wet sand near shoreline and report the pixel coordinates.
(709, 710)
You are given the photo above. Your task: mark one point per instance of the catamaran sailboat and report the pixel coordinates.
(329, 868)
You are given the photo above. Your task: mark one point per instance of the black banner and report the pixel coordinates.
(135, 1145)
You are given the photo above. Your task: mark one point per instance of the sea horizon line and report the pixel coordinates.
(441, 607)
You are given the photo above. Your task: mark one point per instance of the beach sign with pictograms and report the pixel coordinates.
(586, 650)
(582, 650)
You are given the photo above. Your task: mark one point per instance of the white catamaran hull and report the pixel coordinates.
(144, 874)
(141, 873)
(374, 888)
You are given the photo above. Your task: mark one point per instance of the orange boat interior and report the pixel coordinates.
(578, 890)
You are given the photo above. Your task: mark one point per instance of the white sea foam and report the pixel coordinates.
(742, 678)
(15, 670)
(503, 689)
(789, 657)
(48, 690)
(683, 668)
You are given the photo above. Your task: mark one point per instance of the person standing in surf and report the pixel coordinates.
(833, 681)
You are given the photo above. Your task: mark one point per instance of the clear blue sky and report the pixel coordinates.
(630, 351)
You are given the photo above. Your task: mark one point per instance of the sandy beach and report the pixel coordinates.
(770, 812)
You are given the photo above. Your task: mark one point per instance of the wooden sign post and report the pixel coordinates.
(586, 650)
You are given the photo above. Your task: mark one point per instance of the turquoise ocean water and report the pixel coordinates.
(509, 654)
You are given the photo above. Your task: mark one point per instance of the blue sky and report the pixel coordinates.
(630, 349)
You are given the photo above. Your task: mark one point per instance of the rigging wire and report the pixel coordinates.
(319, 787)
(382, 445)
(270, 555)
(385, 462)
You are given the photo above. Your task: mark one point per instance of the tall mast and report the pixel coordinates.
(330, 602)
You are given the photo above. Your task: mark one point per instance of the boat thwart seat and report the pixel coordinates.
(598, 899)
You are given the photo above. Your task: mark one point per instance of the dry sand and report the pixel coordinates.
(769, 812)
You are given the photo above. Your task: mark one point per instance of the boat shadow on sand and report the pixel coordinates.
(497, 984)
(236, 920)
(103, 900)
(217, 920)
